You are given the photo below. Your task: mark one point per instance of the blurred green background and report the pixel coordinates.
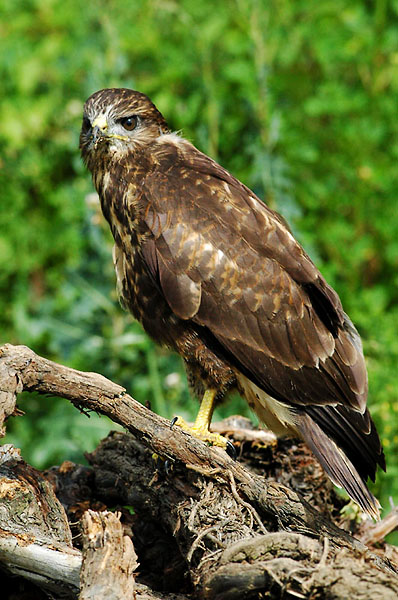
(297, 99)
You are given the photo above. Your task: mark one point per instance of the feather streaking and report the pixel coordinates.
(213, 273)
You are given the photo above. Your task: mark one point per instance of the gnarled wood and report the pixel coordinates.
(234, 532)
(225, 540)
(35, 539)
(109, 559)
(22, 367)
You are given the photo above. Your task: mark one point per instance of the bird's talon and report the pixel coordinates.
(230, 450)
(166, 463)
(173, 422)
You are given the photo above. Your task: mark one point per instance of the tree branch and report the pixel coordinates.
(24, 370)
(234, 529)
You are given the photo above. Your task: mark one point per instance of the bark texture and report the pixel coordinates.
(109, 559)
(202, 525)
(35, 538)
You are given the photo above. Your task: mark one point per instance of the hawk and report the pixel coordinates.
(213, 273)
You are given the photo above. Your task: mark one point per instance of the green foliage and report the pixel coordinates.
(297, 99)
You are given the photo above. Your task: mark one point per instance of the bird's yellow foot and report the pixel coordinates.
(200, 428)
(203, 433)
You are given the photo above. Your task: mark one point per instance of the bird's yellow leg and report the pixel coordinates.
(200, 428)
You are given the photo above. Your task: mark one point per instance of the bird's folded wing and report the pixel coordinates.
(226, 261)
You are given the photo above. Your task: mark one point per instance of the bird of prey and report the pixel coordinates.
(214, 274)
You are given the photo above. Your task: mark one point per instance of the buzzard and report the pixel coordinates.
(214, 274)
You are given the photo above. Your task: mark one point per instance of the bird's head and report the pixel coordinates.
(117, 121)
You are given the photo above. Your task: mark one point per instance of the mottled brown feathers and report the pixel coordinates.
(212, 272)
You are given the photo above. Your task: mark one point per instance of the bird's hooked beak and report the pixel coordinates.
(100, 131)
(99, 127)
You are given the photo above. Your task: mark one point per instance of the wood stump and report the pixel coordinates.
(189, 522)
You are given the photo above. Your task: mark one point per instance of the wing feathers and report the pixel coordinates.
(257, 291)
(182, 293)
(259, 314)
(230, 265)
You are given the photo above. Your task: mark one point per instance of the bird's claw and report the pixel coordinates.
(203, 433)
(230, 450)
(166, 462)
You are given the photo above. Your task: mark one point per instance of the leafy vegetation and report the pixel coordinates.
(297, 99)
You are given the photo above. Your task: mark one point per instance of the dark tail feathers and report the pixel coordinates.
(336, 463)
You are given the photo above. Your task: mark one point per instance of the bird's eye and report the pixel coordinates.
(129, 123)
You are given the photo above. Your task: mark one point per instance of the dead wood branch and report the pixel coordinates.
(237, 533)
(22, 369)
(376, 532)
(35, 539)
(36, 543)
(109, 559)
(224, 544)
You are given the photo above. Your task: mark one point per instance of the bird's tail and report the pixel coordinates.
(338, 466)
(344, 441)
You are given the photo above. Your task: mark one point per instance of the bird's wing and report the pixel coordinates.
(225, 261)
(229, 263)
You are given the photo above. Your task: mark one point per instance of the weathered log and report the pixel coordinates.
(224, 539)
(239, 534)
(23, 369)
(297, 566)
(35, 539)
(36, 543)
(109, 559)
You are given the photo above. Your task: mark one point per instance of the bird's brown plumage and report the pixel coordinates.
(213, 273)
